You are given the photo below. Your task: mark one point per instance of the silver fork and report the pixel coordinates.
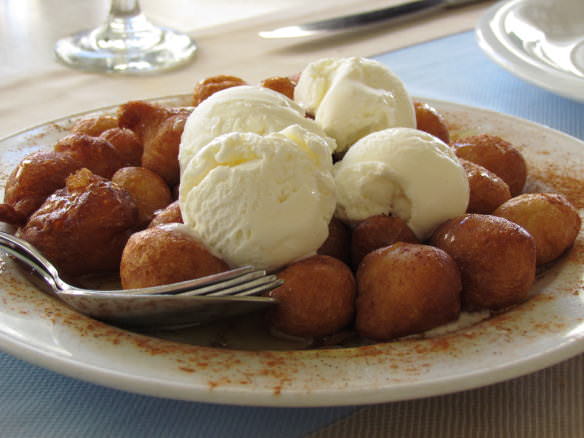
(169, 306)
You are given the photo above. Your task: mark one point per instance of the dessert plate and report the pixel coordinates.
(540, 41)
(236, 364)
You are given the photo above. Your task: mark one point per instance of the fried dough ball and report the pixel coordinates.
(498, 156)
(431, 121)
(487, 190)
(126, 142)
(376, 232)
(10, 216)
(168, 215)
(338, 242)
(163, 255)
(281, 84)
(93, 153)
(36, 177)
(316, 299)
(406, 288)
(211, 85)
(94, 126)
(550, 218)
(159, 129)
(83, 227)
(150, 191)
(496, 258)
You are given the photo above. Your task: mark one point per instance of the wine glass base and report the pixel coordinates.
(93, 51)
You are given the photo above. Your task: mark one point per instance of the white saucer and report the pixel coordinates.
(540, 41)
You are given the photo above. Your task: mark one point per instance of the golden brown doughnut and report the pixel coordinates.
(376, 232)
(498, 156)
(159, 129)
(36, 177)
(126, 142)
(316, 299)
(496, 258)
(550, 218)
(487, 190)
(281, 84)
(428, 119)
(83, 227)
(209, 86)
(149, 190)
(94, 153)
(404, 289)
(165, 254)
(94, 126)
(338, 242)
(170, 214)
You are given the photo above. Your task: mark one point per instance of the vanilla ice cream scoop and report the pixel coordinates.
(242, 109)
(353, 97)
(262, 200)
(406, 172)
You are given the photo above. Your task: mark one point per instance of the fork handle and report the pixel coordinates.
(26, 250)
(48, 278)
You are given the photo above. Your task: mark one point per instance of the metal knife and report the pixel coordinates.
(361, 19)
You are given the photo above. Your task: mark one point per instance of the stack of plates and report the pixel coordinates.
(540, 41)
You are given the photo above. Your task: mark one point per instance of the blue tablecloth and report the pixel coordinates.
(455, 69)
(35, 402)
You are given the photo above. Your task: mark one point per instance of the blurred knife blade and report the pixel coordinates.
(362, 19)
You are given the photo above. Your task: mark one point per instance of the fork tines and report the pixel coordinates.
(243, 281)
(247, 287)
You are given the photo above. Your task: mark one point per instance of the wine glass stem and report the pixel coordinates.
(126, 42)
(126, 8)
(127, 29)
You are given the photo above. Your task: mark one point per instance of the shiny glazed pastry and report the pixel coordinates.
(83, 227)
(377, 232)
(338, 242)
(316, 299)
(35, 178)
(93, 153)
(496, 258)
(159, 129)
(149, 190)
(487, 190)
(165, 254)
(406, 288)
(431, 121)
(498, 156)
(550, 218)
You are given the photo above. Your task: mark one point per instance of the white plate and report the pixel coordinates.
(546, 330)
(540, 41)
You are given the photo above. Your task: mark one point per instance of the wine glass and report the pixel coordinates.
(126, 43)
